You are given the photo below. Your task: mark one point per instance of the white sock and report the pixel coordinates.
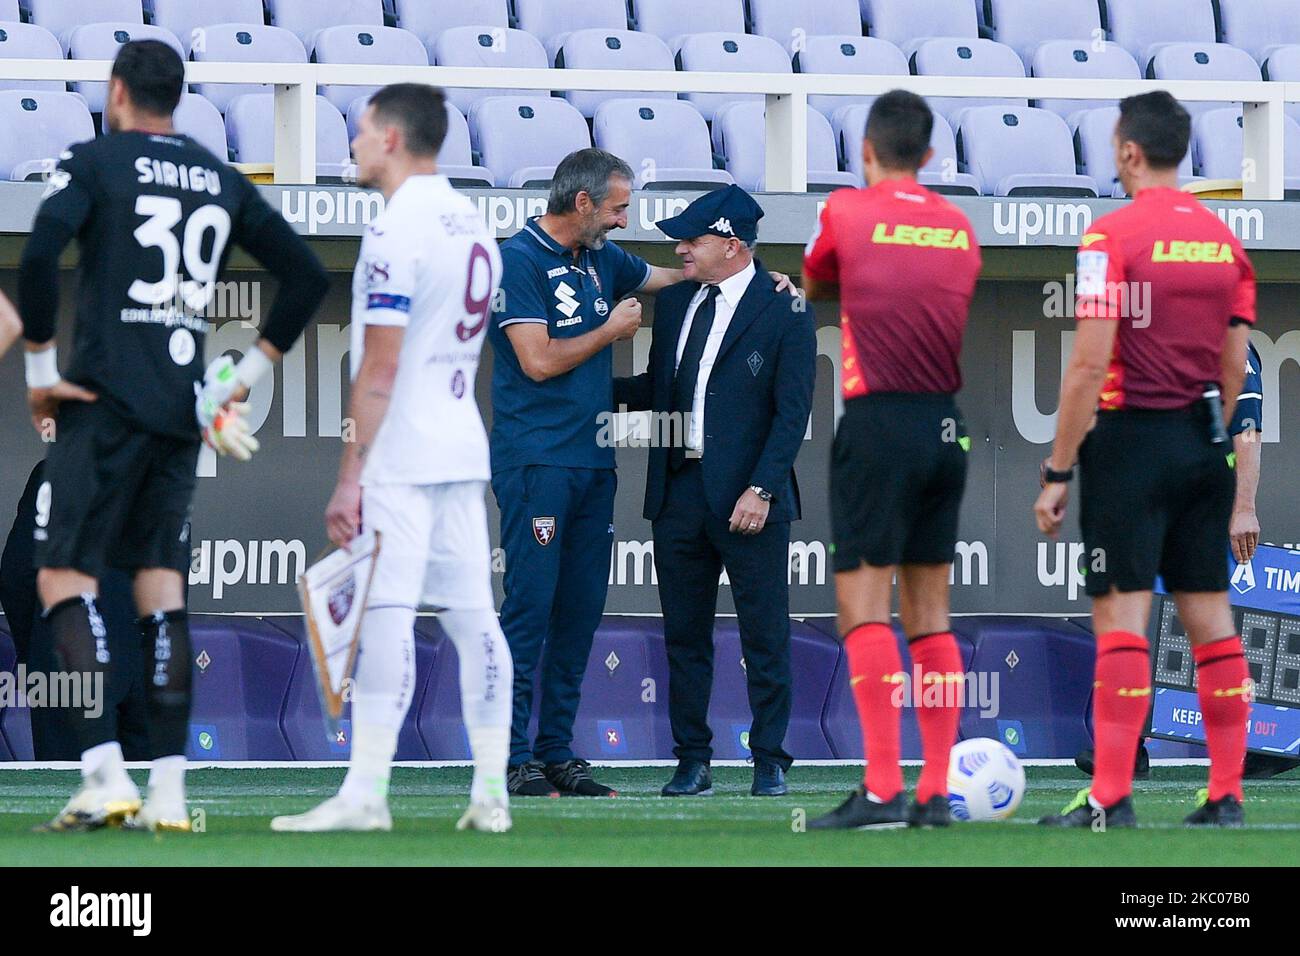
(385, 684)
(486, 681)
(103, 761)
(167, 778)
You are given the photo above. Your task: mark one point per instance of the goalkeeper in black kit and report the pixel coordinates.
(154, 215)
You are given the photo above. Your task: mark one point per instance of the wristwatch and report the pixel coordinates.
(763, 494)
(1053, 477)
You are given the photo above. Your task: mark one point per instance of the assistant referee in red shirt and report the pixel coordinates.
(1156, 480)
(903, 263)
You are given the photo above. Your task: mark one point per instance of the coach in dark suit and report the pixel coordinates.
(732, 361)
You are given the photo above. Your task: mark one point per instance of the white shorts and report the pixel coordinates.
(434, 546)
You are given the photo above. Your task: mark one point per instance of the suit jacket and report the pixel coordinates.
(759, 396)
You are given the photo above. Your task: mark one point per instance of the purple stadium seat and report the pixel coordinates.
(1203, 61)
(1260, 26)
(729, 53)
(38, 127)
(428, 20)
(612, 50)
(378, 45)
(790, 24)
(250, 133)
(1283, 65)
(940, 174)
(15, 722)
(905, 23)
(101, 41)
(198, 119)
(26, 41)
(61, 17)
(1093, 141)
(10, 12)
(1024, 24)
(455, 160)
(670, 20)
(1020, 151)
(961, 57)
(552, 20)
(523, 139)
(184, 17)
(740, 134)
(1218, 147)
(852, 55)
(241, 684)
(243, 43)
(666, 142)
(307, 17)
(1068, 59)
(488, 47)
(1142, 26)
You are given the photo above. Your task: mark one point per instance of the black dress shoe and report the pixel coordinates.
(1086, 761)
(769, 780)
(860, 813)
(692, 779)
(1080, 814)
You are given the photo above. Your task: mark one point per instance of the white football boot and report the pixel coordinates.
(337, 814)
(491, 816)
(163, 812)
(98, 803)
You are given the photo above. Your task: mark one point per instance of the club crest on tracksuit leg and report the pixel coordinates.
(544, 530)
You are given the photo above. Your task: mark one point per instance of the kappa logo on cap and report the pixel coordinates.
(723, 225)
(544, 530)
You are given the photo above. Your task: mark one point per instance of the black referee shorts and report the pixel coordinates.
(898, 471)
(1155, 497)
(113, 496)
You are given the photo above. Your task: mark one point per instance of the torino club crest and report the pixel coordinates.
(341, 598)
(544, 530)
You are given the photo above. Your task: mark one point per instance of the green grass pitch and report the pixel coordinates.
(642, 828)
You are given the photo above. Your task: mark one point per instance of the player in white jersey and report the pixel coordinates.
(416, 469)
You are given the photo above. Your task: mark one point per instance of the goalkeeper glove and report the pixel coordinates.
(222, 422)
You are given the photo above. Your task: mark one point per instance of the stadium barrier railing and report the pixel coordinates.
(787, 101)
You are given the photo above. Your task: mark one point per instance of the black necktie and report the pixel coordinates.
(688, 371)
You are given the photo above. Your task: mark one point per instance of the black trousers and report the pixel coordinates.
(691, 549)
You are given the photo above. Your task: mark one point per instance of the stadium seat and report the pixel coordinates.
(1260, 26)
(428, 20)
(1203, 61)
(240, 43)
(306, 18)
(455, 159)
(729, 53)
(612, 50)
(38, 126)
(1020, 151)
(27, 41)
(523, 139)
(1024, 24)
(960, 57)
(197, 118)
(10, 11)
(905, 23)
(940, 174)
(740, 134)
(1068, 59)
(250, 134)
(382, 46)
(552, 20)
(790, 24)
(671, 20)
(101, 41)
(184, 17)
(488, 47)
(852, 55)
(1094, 145)
(1217, 145)
(61, 17)
(665, 141)
(1142, 26)
(15, 722)
(1283, 65)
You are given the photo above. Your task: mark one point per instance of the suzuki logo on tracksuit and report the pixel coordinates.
(568, 303)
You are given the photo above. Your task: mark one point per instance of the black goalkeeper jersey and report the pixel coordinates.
(155, 217)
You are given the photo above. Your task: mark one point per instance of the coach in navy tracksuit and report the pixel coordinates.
(734, 361)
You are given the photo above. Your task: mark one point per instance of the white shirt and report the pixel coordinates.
(428, 264)
(730, 291)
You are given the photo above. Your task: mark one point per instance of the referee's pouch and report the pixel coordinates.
(1209, 409)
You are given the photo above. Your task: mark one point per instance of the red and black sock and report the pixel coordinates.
(939, 660)
(875, 671)
(1223, 685)
(1121, 699)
